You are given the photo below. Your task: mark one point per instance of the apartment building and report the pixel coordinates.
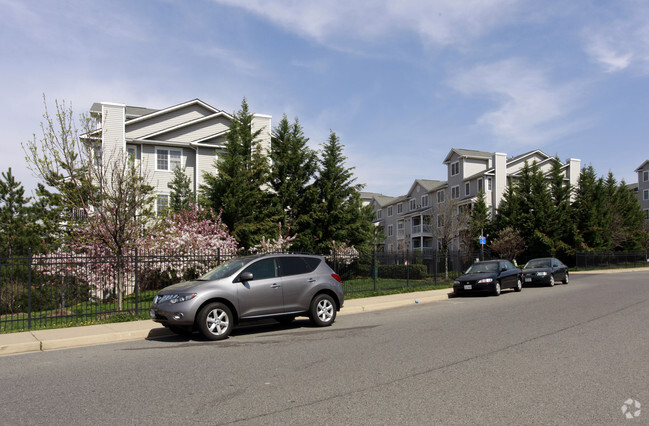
(643, 186)
(190, 135)
(413, 221)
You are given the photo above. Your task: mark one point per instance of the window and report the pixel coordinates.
(413, 204)
(440, 196)
(292, 266)
(162, 204)
(390, 211)
(645, 194)
(645, 175)
(399, 208)
(455, 192)
(647, 214)
(488, 184)
(467, 188)
(263, 269)
(424, 200)
(378, 214)
(390, 231)
(168, 159)
(455, 168)
(131, 152)
(440, 220)
(480, 185)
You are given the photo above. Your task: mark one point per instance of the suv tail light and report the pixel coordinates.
(337, 277)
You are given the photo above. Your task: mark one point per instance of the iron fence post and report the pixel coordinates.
(29, 289)
(137, 286)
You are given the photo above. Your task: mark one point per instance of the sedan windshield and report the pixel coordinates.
(537, 263)
(226, 269)
(479, 268)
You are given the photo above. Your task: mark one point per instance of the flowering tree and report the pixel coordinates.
(279, 244)
(188, 232)
(342, 253)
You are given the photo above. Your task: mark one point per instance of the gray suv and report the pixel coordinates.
(281, 286)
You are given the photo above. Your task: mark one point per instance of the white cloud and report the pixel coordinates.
(442, 22)
(621, 43)
(530, 109)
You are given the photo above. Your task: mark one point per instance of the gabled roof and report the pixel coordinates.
(167, 110)
(428, 185)
(131, 111)
(642, 166)
(467, 153)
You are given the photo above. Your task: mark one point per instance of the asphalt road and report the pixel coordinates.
(572, 354)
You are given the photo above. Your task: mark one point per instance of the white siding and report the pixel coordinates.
(165, 121)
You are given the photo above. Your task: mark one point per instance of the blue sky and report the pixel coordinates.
(400, 82)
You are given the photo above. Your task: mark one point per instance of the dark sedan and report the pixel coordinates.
(490, 276)
(545, 271)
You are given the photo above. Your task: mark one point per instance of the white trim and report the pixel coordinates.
(168, 149)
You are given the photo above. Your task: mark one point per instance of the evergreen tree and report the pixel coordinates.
(238, 187)
(181, 197)
(589, 211)
(479, 220)
(338, 214)
(624, 216)
(17, 228)
(561, 228)
(293, 167)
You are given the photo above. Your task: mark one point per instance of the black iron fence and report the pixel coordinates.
(68, 289)
(592, 260)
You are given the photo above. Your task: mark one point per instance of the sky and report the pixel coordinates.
(401, 82)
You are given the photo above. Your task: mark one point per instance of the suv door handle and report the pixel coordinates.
(311, 280)
(275, 285)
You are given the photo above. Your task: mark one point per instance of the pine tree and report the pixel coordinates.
(17, 227)
(181, 197)
(561, 229)
(589, 211)
(338, 214)
(479, 220)
(238, 187)
(293, 167)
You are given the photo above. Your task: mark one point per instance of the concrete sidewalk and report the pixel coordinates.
(60, 338)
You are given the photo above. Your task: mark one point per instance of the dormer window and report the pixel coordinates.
(455, 168)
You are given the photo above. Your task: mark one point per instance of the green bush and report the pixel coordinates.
(414, 272)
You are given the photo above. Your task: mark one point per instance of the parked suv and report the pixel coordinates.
(281, 286)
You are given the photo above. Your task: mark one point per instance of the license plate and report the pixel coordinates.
(468, 287)
(528, 280)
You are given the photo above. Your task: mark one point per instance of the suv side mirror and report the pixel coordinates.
(246, 276)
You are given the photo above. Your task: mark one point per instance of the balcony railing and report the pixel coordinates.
(417, 229)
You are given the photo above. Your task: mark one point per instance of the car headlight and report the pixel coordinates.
(182, 297)
(485, 280)
(174, 298)
(456, 282)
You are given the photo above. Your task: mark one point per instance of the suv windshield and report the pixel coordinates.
(226, 269)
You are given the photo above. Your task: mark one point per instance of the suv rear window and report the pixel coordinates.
(312, 263)
(292, 266)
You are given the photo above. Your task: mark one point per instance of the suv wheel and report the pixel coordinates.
(323, 310)
(215, 321)
(566, 279)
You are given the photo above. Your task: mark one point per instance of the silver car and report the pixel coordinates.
(281, 286)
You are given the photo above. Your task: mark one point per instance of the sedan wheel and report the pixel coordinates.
(551, 281)
(566, 279)
(497, 289)
(519, 285)
(215, 321)
(323, 310)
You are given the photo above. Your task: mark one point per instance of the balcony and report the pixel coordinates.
(425, 229)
